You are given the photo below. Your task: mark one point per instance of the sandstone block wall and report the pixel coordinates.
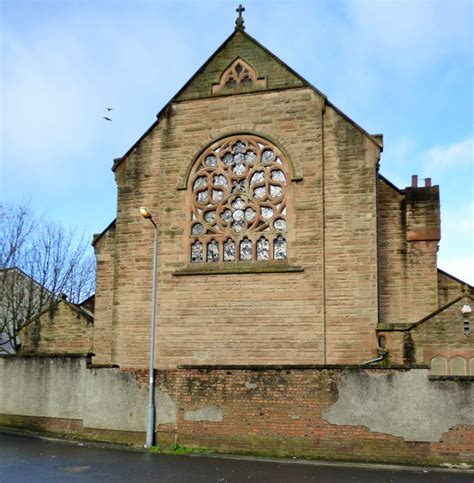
(269, 318)
(409, 232)
(441, 335)
(104, 247)
(449, 288)
(62, 329)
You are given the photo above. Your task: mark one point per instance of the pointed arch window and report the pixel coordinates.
(238, 203)
(240, 75)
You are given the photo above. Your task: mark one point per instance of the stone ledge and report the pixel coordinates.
(451, 378)
(297, 367)
(237, 268)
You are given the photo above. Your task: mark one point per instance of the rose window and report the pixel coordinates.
(238, 202)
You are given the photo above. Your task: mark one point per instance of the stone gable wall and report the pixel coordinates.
(260, 318)
(60, 330)
(276, 75)
(442, 335)
(448, 288)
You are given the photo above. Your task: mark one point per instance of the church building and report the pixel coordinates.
(299, 308)
(279, 241)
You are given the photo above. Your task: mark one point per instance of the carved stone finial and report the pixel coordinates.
(239, 22)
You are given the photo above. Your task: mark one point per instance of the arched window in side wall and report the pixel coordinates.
(457, 366)
(238, 202)
(471, 367)
(439, 366)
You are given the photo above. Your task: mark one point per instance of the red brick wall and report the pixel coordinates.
(280, 412)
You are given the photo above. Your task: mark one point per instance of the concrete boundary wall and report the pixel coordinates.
(385, 415)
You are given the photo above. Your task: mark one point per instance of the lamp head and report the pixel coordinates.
(466, 309)
(145, 212)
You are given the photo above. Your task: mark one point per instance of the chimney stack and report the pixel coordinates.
(414, 181)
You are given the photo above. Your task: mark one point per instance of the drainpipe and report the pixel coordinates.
(381, 357)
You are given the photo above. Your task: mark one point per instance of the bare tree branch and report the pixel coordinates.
(39, 261)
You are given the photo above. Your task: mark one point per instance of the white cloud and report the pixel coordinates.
(457, 155)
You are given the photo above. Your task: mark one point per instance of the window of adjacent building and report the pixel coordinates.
(458, 366)
(438, 366)
(238, 203)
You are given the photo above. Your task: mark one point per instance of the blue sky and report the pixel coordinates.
(401, 68)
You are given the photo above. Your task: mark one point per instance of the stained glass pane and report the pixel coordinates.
(229, 250)
(219, 180)
(238, 203)
(238, 169)
(250, 214)
(212, 251)
(202, 197)
(196, 252)
(239, 158)
(250, 157)
(275, 191)
(246, 249)
(267, 156)
(238, 215)
(263, 247)
(217, 195)
(211, 160)
(238, 186)
(239, 147)
(279, 248)
(228, 159)
(279, 225)
(278, 175)
(259, 193)
(238, 226)
(200, 182)
(210, 217)
(197, 229)
(257, 177)
(266, 212)
(226, 216)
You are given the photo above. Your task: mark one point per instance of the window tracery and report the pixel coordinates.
(238, 203)
(239, 75)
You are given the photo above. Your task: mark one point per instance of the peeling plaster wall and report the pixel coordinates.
(64, 387)
(405, 404)
(385, 415)
(207, 413)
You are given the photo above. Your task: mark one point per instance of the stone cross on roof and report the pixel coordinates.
(239, 22)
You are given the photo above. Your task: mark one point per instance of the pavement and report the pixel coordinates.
(31, 459)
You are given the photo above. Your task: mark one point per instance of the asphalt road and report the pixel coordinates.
(28, 459)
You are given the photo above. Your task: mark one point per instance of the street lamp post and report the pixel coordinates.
(148, 215)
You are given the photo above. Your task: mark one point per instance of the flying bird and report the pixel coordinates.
(109, 109)
(107, 118)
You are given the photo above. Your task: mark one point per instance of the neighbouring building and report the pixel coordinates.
(61, 328)
(21, 298)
